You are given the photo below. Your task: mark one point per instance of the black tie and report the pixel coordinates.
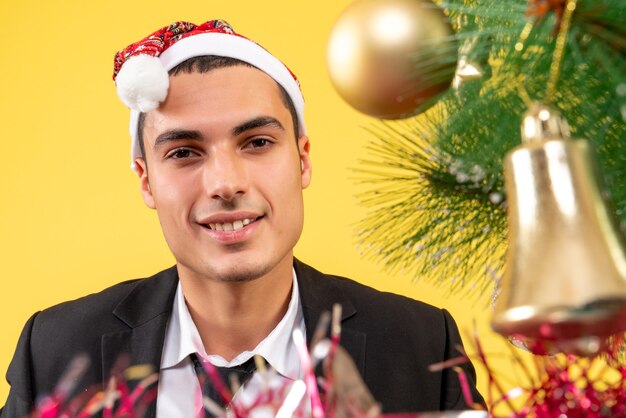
(243, 372)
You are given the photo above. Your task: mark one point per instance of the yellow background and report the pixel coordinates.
(71, 218)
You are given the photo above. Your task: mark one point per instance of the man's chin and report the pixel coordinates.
(237, 274)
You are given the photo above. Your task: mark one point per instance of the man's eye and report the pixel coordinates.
(259, 142)
(180, 153)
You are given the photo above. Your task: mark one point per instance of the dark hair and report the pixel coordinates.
(206, 63)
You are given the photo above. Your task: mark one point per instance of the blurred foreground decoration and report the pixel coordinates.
(129, 393)
(340, 393)
(435, 184)
(548, 387)
(556, 386)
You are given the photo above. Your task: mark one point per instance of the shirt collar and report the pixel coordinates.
(278, 349)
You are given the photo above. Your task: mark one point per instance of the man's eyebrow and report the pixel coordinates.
(176, 135)
(259, 122)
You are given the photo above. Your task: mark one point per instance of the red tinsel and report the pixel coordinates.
(559, 386)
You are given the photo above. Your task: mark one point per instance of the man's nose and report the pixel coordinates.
(225, 176)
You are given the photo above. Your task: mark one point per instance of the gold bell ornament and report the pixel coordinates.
(564, 284)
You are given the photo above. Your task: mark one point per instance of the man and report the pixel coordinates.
(220, 147)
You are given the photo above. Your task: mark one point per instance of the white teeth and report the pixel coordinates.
(227, 226)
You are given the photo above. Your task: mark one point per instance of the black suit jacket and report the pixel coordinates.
(392, 339)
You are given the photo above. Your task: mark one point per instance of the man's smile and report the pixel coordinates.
(231, 226)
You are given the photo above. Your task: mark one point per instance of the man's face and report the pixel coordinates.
(225, 173)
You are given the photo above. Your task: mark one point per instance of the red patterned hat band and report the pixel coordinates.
(141, 69)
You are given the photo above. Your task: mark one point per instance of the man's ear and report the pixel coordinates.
(304, 145)
(144, 182)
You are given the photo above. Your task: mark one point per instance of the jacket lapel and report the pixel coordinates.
(145, 310)
(319, 294)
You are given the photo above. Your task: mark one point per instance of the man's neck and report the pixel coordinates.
(232, 317)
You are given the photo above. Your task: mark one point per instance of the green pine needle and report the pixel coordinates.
(435, 187)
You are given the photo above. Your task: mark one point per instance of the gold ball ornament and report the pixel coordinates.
(390, 58)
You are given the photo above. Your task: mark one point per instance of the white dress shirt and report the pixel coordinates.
(179, 393)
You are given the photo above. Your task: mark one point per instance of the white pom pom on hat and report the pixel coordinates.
(141, 69)
(142, 83)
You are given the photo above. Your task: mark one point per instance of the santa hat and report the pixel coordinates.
(141, 69)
